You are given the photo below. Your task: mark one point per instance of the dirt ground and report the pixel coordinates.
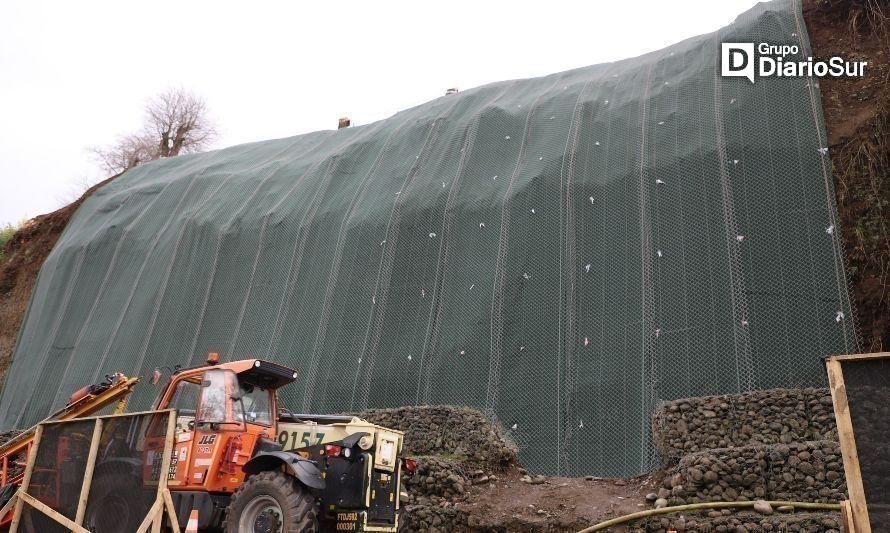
(557, 504)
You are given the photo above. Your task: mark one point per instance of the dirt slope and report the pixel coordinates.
(23, 255)
(857, 119)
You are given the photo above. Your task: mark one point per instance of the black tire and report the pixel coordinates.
(115, 504)
(271, 502)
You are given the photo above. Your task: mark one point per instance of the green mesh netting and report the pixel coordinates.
(562, 252)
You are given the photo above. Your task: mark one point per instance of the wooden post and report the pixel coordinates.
(162, 482)
(88, 473)
(9, 505)
(152, 516)
(50, 512)
(847, 517)
(168, 451)
(858, 507)
(171, 510)
(29, 469)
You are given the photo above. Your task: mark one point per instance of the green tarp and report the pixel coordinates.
(562, 252)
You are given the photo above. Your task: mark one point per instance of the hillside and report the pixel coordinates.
(856, 119)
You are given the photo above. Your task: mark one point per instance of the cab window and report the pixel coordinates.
(185, 398)
(185, 401)
(219, 398)
(257, 404)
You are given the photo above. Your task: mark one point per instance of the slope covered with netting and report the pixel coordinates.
(563, 252)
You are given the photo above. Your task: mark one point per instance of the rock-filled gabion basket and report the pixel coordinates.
(743, 522)
(805, 472)
(777, 416)
(454, 447)
(463, 433)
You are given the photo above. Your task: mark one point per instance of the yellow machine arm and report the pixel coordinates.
(86, 404)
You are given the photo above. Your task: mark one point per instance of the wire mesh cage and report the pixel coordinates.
(562, 253)
(99, 474)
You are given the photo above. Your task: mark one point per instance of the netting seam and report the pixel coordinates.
(741, 341)
(321, 333)
(496, 313)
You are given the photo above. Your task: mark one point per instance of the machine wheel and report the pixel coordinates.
(115, 504)
(271, 502)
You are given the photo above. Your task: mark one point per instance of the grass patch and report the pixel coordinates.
(6, 233)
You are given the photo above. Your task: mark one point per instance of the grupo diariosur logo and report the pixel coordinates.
(781, 60)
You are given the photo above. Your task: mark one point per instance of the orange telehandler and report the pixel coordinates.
(239, 459)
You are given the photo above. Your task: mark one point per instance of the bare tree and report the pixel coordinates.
(176, 123)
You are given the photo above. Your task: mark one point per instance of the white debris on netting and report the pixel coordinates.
(359, 360)
(661, 123)
(422, 293)
(514, 426)
(658, 252)
(409, 357)
(745, 323)
(471, 286)
(494, 177)
(587, 267)
(398, 193)
(481, 225)
(823, 150)
(382, 242)
(526, 276)
(432, 235)
(839, 316)
(463, 352)
(667, 83)
(507, 137)
(591, 199)
(606, 102)
(597, 143)
(533, 210)
(735, 161)
(740, 238)
(443, 184)
(540, 159)
(659, 182)
(586, 342)
(794, 35)
(580, 424)
(521, 348)
(657, 332)
(830, 229)
(373, 299)
(732, 100)
(553, 117)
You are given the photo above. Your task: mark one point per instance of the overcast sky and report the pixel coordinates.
(77, 74)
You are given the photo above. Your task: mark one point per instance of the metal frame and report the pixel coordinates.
(854, 511)
(154, 519)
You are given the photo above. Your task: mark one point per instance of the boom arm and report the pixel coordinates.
(16, 450)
